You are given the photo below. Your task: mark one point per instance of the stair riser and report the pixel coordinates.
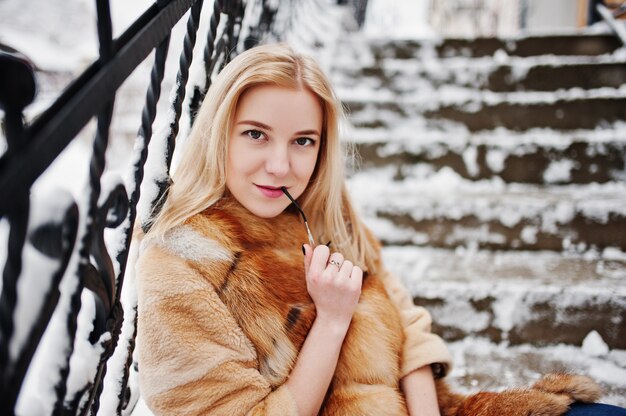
(580, 232)
(554, 45)
(430, 266)
(561, 115)
(550, 78)
(501, 79)
(526, 164)
(573, 114)
(538, 318)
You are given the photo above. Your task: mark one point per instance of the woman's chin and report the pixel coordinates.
(267, 210)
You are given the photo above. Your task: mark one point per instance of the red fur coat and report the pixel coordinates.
(224, 310)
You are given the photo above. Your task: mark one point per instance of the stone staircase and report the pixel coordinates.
(494, 172)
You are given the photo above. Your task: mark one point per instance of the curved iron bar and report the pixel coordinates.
(226, 47)
(87, 96)
(234, 11)
(55, 238)
(18, 88)
(221, 54)
(18, 222)
(111, 214)
(17, 78)
(263, 26)
(124, 395)
(144, 136)
(182, 77)
(87, 272)
(200, 91)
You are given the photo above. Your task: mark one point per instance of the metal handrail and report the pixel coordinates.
(610, 18)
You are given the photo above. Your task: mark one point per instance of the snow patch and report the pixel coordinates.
(594, 345)
(505, 310)
(495, 159)
(529, 234)
(470, 157)
(613, 253)
(559, 171)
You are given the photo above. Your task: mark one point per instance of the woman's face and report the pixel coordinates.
(274, 142)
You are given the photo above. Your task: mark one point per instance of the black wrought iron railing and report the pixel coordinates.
(55, 249)
(601, 12)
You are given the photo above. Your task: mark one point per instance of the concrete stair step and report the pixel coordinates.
(585, 113)
(536, 156)
(483, 365)
(520, 297)
(550, 78)
(463, 144)
(504, 74)
(444, 210)
(570, 110)
(562, 45)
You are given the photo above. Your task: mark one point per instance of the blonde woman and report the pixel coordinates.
(237, 316)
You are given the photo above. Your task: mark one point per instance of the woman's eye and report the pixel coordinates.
(304, 141)
(254, 134)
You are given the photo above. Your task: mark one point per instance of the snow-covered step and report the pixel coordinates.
(562, 45)
(483, 365)
(495, 74)
(494, 172)
(534, 156)
(521, 297)
(569, 110)
(444, 210)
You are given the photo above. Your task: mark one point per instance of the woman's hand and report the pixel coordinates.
(335, 287)
(333, 283)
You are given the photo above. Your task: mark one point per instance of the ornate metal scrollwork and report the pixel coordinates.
(101, 277)
(51, 235)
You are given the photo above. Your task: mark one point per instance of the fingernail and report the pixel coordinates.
(328, 244)
(303, 250)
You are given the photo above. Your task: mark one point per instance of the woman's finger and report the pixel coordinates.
(356, 276)
(308, 254)
(319, 259)
(346, 269)
(335, 262)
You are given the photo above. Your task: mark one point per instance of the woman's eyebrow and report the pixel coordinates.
(255, 123)
(268, 128)
(309, 132)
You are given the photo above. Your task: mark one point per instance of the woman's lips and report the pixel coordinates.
(270, 191)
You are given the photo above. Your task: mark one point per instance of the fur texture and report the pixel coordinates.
(550, 396)
(221, 324)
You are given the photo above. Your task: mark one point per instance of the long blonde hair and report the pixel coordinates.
(200, 179)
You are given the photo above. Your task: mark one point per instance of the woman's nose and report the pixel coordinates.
(277, 162)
